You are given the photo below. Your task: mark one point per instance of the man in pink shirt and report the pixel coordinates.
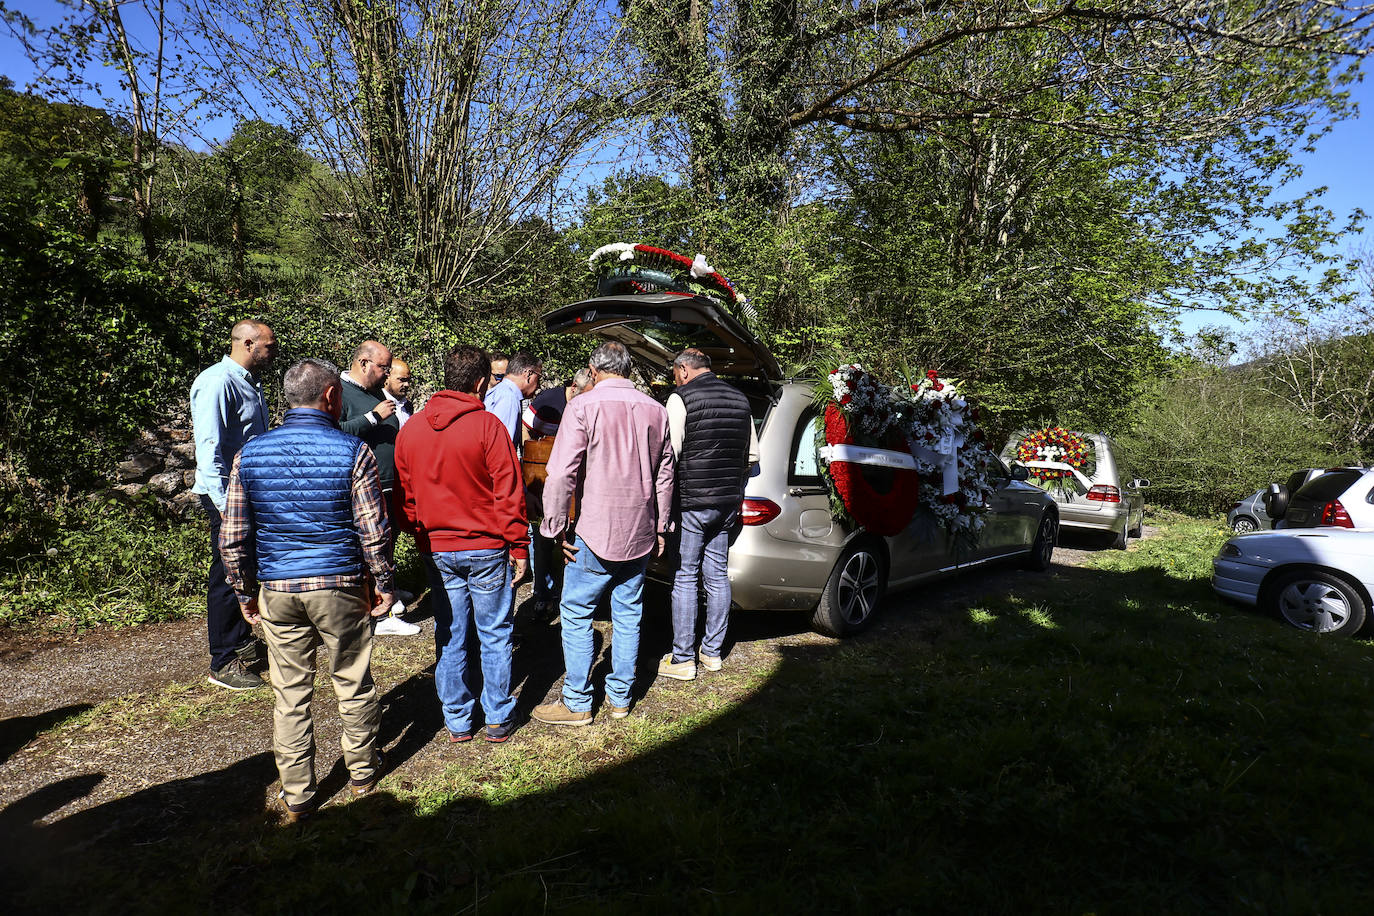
(613, 451)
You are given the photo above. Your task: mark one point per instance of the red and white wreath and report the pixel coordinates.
(925, 432)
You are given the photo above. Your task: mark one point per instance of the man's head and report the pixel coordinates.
(371, 364)
(610, 360)
(525, 370)
(314, 383)
(252, 345)
(689, 364)
(467, 369)
(581, 382)
(398, 382)
(499, 362)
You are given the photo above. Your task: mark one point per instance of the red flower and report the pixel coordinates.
(846, 399)
(932, 374)
(939, 386)
(852, 384)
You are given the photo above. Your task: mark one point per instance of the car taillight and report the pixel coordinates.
(755, 511)
(1104, 493)
(1334, 515)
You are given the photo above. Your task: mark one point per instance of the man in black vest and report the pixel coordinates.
(712, 433)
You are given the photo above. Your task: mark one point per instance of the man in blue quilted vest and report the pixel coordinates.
(304, 527)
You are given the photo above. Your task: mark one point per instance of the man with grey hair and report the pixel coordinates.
(613, 449)
(712, 432)
(304, 526)
(228, 409)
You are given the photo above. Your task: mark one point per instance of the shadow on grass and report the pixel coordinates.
(1073, 742)
(20, 730)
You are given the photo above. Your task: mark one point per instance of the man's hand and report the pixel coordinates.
(662, 546)
(250, 611)
(384, 409)
(569, 551)
(384, 602)
(518, 568)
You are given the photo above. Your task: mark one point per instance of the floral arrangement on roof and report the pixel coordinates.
(624, 268)
(1057, 444)
(890, 451)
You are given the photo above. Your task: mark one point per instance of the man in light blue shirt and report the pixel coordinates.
(228, 409)
(523, 373)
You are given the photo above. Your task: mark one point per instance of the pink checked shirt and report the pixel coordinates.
(612, 449)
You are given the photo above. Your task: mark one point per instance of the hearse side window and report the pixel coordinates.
(805, 466)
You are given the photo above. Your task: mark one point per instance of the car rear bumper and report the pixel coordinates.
(769, 574)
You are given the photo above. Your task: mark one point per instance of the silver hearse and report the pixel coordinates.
(791, 554)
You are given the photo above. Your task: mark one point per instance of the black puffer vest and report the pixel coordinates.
(715, 444)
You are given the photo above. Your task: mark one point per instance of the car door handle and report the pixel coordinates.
(807, 491)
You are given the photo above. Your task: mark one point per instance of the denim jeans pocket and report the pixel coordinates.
(487, 571)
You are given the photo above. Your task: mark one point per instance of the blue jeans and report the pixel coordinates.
(472, 584)
(703, 549)
(585, 580)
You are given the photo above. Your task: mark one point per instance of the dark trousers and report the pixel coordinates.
(228, 630)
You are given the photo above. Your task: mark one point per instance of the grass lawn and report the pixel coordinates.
(1110, 739)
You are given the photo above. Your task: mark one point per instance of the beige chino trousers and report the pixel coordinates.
(294, 625)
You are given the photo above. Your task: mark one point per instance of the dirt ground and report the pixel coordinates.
(99, 716)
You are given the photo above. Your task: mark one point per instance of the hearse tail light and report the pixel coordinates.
(1334, 515)
(757, 511)
(1104, 493)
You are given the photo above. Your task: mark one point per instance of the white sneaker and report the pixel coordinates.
(395, 626)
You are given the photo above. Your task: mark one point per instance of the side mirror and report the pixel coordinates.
(1140, 483)
(1276, 501)
(1020, 472)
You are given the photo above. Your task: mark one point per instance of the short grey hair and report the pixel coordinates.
(306, 382)
(611, 358)
(582, 380)
(692, 358)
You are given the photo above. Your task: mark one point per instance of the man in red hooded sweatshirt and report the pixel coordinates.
(459, 491)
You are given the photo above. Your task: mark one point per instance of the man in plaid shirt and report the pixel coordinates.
(304, 527)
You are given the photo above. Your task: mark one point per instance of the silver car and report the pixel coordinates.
(1101, 497)
(1249, 514)
(791, 553)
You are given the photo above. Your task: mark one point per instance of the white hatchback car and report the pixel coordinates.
(1317, 579)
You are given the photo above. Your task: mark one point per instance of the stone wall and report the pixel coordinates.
(162, 462)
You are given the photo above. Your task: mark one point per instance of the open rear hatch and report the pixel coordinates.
(654, 327)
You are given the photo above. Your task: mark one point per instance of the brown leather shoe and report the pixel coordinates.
(558, 714)
(296, 813)
(361, 787)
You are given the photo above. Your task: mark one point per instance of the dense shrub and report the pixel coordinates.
(92, 344)
(81, 561)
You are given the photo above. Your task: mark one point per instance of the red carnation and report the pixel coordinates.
(939, 386)
(932, 374)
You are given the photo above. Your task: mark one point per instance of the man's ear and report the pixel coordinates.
(332, 399)
(482, 384)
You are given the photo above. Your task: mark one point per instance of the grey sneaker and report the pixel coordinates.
(235, 676)
(681, 671)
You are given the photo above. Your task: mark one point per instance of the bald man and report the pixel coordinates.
(371, 416)
(397, 389)
(228, 409)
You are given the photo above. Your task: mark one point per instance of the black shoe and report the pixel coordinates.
(235, 676)
(252, 653)
(498, 734)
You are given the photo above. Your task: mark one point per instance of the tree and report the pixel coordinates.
(155, 96)
(447, 123)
